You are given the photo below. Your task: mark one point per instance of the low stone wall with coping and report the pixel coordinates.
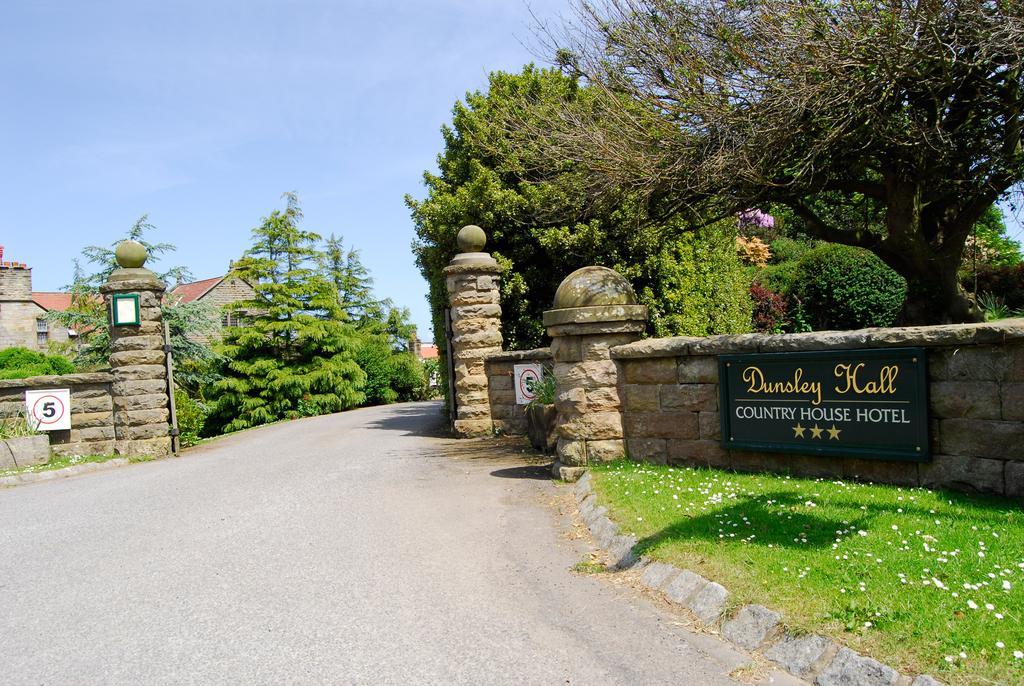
(92, 410)
(508, 417)
(976, 398)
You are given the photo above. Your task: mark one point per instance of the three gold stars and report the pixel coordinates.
(816, 431)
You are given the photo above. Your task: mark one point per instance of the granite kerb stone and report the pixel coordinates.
(753, 627)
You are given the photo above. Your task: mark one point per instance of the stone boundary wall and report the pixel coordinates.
(92, 410)
(506, 416)
(976, 397)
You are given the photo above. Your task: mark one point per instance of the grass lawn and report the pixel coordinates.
(926, 581)
(59, 462)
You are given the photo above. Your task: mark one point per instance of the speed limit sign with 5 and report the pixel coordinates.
(49, 410)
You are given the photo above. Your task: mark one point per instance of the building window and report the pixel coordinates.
(234, 319)
(42, 332)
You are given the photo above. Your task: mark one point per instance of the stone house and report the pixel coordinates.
(221, 291)
(23, 311)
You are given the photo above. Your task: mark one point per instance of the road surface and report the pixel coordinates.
(358, 548)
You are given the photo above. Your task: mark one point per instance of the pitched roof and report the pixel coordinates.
(190, 292)
(428, 351)
(50, 300)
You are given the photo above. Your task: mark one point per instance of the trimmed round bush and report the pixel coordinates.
(842, 287)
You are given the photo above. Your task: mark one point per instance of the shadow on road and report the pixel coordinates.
(418, 419)
(540, 472)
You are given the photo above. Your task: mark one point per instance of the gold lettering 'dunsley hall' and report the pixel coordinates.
(795, 386)
(886, 383)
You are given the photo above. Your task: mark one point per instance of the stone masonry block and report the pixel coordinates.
(710, 425)
(598, 347)
(692, 397)
(571, 401)
(472, 427)
(1015, 479)
(142, 401)
(662, 425)
(801, 655)
(971, 363)
(605, 450)
(982, 438)
(469, 383)
(470, 298)
(91, 434)
(86, 405)
(642, 397)
(566, 349)
(684, 587)
(87, 420)
(137, 357)
(658, 370)
(143, 417)
(139, 387)
(751, 626)
(956, 399)
(499, 382)
(591, 374)
(480, 412)
(571, 452)
(654, 450)
(487, 310)
(698, 369)
(963, 473)
(1013, 401)
(850, 669)
(459, 354)
(482, 339)
(139, 372)
(603, 399)
(125, 343)
(592, 426)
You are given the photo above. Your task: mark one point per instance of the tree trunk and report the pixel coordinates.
(934, 296)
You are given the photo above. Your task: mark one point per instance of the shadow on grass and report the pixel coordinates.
(771, 521)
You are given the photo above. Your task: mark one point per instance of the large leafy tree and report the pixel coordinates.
(542, 224)
(904, 115)
(296, 356)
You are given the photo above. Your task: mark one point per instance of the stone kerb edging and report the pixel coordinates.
(990, 333)
(64, 472)
(752, 627)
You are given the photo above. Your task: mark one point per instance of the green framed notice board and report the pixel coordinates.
(124, 309)
(854, 403)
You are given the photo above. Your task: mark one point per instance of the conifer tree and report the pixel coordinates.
(295, 358)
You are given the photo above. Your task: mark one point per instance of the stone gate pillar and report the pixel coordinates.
(138, 363)
(595, 310)
(472, 279)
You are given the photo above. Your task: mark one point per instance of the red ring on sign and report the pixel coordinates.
(523, 378)
(56, 417)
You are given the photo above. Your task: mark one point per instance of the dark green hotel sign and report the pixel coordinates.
(855, 403)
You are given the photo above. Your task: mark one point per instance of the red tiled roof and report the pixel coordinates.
(190, 292)
(428, 351)
(49, 300)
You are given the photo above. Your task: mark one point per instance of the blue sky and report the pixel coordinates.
(201, 113)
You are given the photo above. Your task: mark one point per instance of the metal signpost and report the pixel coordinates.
(854, 403)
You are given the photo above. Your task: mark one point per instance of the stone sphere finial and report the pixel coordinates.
(471, 238)
(130, 254)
